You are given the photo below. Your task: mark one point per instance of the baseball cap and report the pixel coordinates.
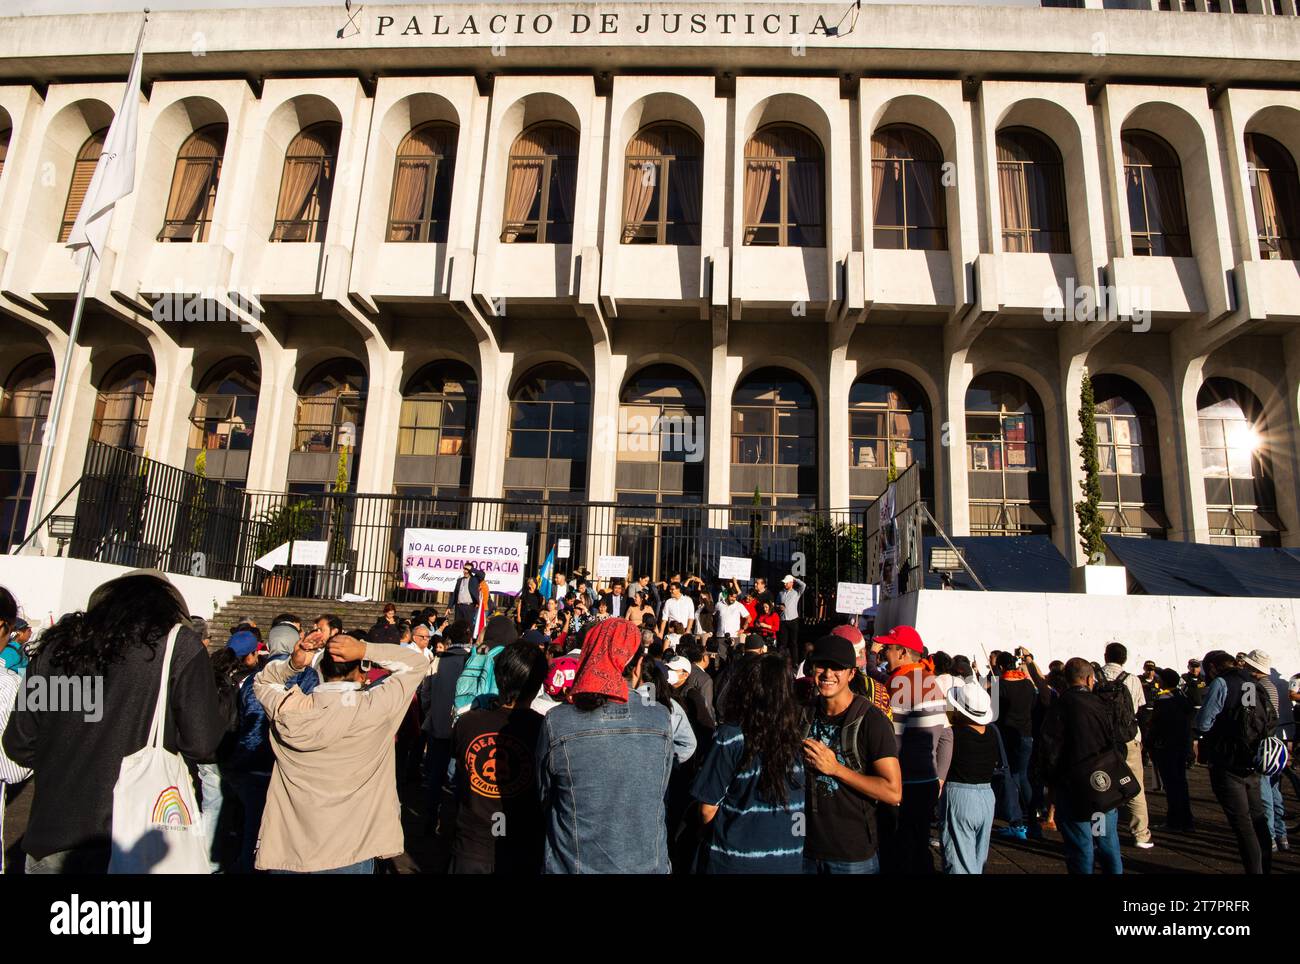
(904, 636)
(536, 637)
(788, 578)
(242, 644)
(754, 642)
(835, 650)
(679, 667)
(1149, 664)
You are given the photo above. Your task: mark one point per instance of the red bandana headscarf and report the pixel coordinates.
(610, 645)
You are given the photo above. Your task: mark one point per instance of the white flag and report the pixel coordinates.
(114, 176)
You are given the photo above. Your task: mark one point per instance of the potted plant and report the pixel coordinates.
(284, 523)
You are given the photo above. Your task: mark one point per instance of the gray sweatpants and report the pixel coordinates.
(967, 826)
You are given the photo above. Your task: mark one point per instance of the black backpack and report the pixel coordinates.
(1246, 722)
(1115, 696)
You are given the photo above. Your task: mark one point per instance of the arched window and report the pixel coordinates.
(26, 401)
(541, 185)
(422, 177)
(435, 436)
(1275, 190)
(194, 185)
(774, 439)
(1128, 450)
(546, 452)
(888, 433)
(1031, 182)
(907, 195)
(225, 407)
(662, 186)
(303, 209)
(1005, 458)
(784, 195)
(122, 407)
(660, 435)
(4, 149)
(1235, 463)
(82, 172)
(1157, 210)
(331, 408)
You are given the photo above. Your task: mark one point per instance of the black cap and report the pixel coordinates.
(835, 650)
(754, 642)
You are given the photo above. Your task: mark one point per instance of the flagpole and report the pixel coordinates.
(49, 435)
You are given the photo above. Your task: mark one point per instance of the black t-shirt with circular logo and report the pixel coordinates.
(499, 818)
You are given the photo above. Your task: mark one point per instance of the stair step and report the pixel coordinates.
(263, 609)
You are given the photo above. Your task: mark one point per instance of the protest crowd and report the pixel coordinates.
(638, 726)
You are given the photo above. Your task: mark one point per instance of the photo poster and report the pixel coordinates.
(888, 543)
(735, 567)
(433, 559)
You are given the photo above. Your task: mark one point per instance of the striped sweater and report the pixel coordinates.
(920, 716)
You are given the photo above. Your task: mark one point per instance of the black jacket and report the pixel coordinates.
(696, 695)
(1171, 724)
(1077, 726)
(475, 580)
(626, 602)
(76, 760)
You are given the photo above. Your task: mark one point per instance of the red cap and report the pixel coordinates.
(904, 636)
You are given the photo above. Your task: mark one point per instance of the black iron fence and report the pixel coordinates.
(136, 511)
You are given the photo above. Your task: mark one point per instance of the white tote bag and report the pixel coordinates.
(157, 827)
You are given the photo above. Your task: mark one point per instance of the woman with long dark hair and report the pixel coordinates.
(114, 653)
(751, 785)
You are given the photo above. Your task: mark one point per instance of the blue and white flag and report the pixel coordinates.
(548, 569)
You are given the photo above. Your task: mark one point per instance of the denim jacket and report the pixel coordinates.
(603, 774)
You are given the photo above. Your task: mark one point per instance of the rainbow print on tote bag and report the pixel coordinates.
(156, 825)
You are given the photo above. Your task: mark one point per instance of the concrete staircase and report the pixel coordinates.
(263, 609)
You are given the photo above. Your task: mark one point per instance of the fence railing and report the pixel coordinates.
(136, 511)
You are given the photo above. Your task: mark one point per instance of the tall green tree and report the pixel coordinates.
(1088, 509)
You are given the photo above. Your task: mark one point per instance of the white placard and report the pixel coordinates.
(611, 567)
(434, 559)
(305, 553)
(855, 598)
(562, 550)
(734, 567)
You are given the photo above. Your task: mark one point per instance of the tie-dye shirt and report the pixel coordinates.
(750, 834)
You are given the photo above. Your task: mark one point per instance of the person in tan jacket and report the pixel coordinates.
(332, 805)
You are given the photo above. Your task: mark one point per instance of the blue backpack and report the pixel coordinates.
(477, 679)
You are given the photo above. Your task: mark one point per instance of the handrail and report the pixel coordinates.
(40, 525)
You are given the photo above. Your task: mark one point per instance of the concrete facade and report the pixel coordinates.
(719, 310)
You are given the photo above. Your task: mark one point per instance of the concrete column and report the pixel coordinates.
(1188, 374)
(1285, 445)
(602, 458)
(835, 428)
(167, 436)
(1070, 484)
(268, 462)
(955, 497)
(723, 372)
(490, 433)
(383, 414)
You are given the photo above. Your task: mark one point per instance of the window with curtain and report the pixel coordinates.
(1275, 191)
(194, 186)
(439, 409)
(907, 196)
(663, 185)
(1007, 472)
(784, 194)
(82, 171)
(541, 185)
(225, 407)
(303, 209)
(1239, 492)
(122, 405)
(422, 176)
(331, 399)
(888, 425)
(1157, 209)
(25, 402)
(1128, 451)
(550, 414)
(774, 430)
(1031, 183)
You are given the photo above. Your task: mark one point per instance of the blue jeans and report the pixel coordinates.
(210, 804)
(1019, 749)
(967, 827)
(251, 790)
(1086, 839)
(1270, 791)
(366, 866)
(869, 866)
